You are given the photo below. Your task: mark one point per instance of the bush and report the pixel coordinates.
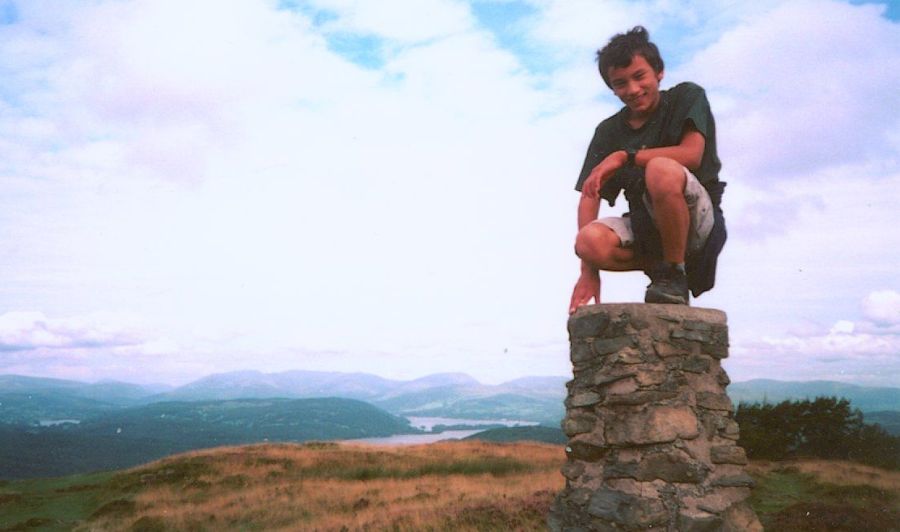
(826, 427)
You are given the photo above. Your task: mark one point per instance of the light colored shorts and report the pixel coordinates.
(699, 207)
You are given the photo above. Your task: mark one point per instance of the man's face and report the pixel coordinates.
(637, 85)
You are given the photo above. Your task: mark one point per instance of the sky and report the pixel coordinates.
(195, 187)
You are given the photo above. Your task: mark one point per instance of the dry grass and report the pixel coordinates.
(444, 486)
(456, 486)
(837, 472)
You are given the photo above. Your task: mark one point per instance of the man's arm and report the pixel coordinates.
(597, 178)
(687, 153)
(586, 288)
(588, 285)
(588, 209)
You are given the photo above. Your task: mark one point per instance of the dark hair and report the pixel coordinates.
(623, 47)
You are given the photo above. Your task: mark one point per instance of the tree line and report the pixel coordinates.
(826, 427)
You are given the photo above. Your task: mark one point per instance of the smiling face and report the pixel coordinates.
(637, 85)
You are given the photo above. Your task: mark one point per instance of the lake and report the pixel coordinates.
(428, 423)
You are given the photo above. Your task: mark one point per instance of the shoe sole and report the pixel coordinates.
(665, 299)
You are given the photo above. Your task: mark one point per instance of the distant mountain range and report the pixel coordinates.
(30, 400)
(865, 398)
(54, 426)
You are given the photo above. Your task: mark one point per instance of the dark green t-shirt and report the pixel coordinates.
(682, 105)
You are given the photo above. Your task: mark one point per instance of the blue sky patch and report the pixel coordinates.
(893, 7)
(508, 22)
(9, 13)
(364, 50)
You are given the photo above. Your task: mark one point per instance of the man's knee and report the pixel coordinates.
(664, 176)
(595, 242)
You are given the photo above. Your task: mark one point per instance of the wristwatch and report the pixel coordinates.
(631, 152)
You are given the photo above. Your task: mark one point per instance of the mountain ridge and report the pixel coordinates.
(458, 395)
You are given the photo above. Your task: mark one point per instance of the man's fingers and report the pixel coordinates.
(573, 304)
(578, 300)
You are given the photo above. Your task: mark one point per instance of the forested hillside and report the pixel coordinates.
(137, 435)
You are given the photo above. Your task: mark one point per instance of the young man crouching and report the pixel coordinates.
(660, 148)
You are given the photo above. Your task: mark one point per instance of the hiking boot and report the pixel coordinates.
(668, 284)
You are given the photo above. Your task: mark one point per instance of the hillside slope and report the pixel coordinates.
(136, 435)
(463, 486)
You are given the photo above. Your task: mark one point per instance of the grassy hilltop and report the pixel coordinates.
(454, 486)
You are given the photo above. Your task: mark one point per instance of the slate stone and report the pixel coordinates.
(618, 326)
(640, 324)
(639, 398)
(572, 470)
(622, 508)
(665, 348)
(621, 470)
(717, 351)
(728, 454)
(578, 423)
(696, 325)
(695, 336)
(582, 450)
(588, 326)
(670, 468)
(606, 346)
(651, 378)
(730, 429)
(714, 401)
(723, 379)
(656, 425)
(604, 378)
(629, 356)
(580, 352)
(696, 364)
(583, 399)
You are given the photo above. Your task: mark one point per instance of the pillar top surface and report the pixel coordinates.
(652, 310)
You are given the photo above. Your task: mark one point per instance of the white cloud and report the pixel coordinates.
(842, 327)
(882, 307)
(856, 351)
(804, 95)
(398, 20)
(27, 330)
(571, 28)
(261, 191)
(255, 195)
(586, 23)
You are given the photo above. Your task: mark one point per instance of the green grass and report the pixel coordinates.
(53, 504)
(786, 499)
(780, 489)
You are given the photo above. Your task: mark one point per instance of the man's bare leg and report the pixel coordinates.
(665, 185)
(666, 181)
(600, 247)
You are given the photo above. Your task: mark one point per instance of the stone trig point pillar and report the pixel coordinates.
(652, 443)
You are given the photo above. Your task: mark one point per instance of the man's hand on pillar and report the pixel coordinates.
(587, 288)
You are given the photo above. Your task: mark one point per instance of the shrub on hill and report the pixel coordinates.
(826, 427)
(517, 434)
